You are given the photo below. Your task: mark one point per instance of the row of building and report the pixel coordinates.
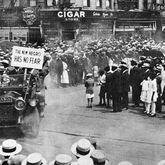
(35, 20)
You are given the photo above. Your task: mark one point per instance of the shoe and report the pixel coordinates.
(153, 114)
(147, 113)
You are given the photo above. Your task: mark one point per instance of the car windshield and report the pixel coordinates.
(12, 80)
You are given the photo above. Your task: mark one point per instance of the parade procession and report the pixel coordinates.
(82, 82)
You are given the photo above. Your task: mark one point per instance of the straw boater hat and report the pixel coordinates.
(85, 161)
(125, 163)
(61, 159)
(99, 158)
(34, 159)
(162, 162)
(10, 147)
(81, 148)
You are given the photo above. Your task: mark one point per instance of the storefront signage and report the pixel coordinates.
(99, 14)
(71, 14)
(27, 57)
(29, 16)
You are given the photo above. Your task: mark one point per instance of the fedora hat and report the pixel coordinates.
(10, 147)
(34, 159)
(85, 161)
(61, 159)
(81, 148)
(162, 162)
(125, 163)
(99, 157)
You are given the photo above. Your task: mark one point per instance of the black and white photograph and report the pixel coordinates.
(82, 82)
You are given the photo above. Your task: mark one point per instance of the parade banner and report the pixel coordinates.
(27, 57)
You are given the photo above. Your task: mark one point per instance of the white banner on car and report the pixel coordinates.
(27, 57)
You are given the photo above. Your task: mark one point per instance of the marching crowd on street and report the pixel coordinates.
(118, 66)
(115, 64)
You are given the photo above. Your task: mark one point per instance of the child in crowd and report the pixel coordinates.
(143, 96)
(89, 84)
(149, 94)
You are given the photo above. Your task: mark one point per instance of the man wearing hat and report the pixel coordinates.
(108, 85)
(99, 158)
(125, 86)
(61, 159)
(82, 148)
(117, 89)
(135, 83)
(9, 148)
(34, 159)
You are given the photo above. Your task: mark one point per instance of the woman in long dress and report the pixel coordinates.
(65, 76)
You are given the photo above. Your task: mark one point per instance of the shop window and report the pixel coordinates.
(99, 3)
(86, 3)
(33, 3)
(108, 4)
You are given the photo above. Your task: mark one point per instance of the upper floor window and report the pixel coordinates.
(128, 4)
(99, 3)
(86, 3)
(33, 3)
(108, 4)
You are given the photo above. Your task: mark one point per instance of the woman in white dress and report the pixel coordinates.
(65, 76)
(151, 96)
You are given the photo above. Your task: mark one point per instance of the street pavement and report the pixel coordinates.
(128, 135)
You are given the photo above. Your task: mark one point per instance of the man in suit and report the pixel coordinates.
(117, 89)
(125, 86)
(135, 83)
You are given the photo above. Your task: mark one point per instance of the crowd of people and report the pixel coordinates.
(84, 152)
(146, 79)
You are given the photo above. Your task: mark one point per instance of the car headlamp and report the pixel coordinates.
(20, 104)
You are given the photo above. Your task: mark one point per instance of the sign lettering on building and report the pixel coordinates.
(29, 15)
(71, 14)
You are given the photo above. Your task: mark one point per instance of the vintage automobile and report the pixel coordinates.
(18, 98)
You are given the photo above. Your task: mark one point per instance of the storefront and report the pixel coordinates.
(72, 23)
